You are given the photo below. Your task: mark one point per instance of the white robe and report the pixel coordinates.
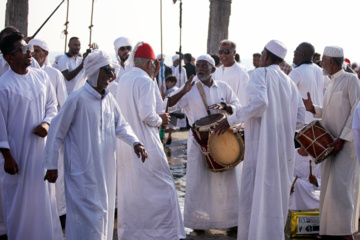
(211, 199)
(28, 201)
(87, 124)
(309, 78)
(340, 172)
(58, 82)
(275, 109)
(148, 205)
(237, 78)
(70, 64)
(306, 195)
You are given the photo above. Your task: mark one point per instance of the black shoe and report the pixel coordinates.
(168, 142)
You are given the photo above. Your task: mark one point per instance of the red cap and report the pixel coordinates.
(145, 51)
(347, 61)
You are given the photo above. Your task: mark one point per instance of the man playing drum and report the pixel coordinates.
(340, 172)
(211, 198)
(273, 111)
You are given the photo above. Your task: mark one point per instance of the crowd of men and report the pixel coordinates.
(91, 126)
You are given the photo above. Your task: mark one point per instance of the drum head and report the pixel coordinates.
(209, 120)
(227, 149)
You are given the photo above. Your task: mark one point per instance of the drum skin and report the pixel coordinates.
(228, 147)
(314, 138)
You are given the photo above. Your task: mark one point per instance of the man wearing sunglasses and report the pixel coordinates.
(4, 66)
(88, 124)
(71, 65)
(27, 105)
(231, 72)
(123, 47)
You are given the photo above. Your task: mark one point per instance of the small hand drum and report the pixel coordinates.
(315, 138)
(222, 152)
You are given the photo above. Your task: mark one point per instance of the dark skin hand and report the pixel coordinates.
(309, 104)
(222, 127)
(10, 165)
(51, 175)
(42, 130)
(313, 180)
(140, 150)
(165, 119)
(222, 106)
(337, 144)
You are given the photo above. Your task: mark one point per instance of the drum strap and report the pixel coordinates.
(203, 96)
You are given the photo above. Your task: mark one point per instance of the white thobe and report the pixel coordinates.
(275, 109)
(29, 207)
(237, 79)
(148, 205)
(180, 81)
(340, 172)
(122, 71)
(58, 82)
(211, 198)
(308, 77)
(71, 63)
(87, 124)
(306, 195)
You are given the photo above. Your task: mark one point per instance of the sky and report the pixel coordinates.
(252, 24)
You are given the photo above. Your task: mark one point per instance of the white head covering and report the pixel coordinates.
(276, 47)
(43, 45)
(93, 62)
(159, 56)
(206, 57)
(121, 42)
(333, 51)
(175, 57)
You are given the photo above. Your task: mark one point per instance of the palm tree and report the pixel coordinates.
(220, 11)
(17, 14)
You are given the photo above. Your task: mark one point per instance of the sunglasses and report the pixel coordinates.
(127, 48)
(24, 49)
(226, 51)
(109, 70)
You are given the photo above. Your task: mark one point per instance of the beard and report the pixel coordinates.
(325, 73)
(204, 77)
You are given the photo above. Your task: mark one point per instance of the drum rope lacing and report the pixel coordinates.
(314, 141)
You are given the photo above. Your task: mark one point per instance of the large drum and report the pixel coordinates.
(222, 152)
(314, 138)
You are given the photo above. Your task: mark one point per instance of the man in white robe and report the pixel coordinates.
(181, 80)
(308, 76)
(273, 112)
(71, 65)
(231, 72)
(88, 124)
(123, 48)
(211, 198)
(41, 52)
(147, 205)
(306, 193)
(339, 206)
(27, 105)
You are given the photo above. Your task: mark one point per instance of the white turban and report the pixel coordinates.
(175, 57)
(276, 47)
(121, 42)
(159, 56)
(43, 45)
(208, 58)
(333, 51)
(92, 64)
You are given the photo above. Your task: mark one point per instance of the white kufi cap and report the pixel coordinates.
(159, 56)
(276, 47)
(333, 51)
(206, 57)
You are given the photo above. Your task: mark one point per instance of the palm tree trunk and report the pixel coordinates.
(17, 14)
(220, 11)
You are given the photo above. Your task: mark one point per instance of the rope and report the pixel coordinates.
(91, 22)
(66, 25)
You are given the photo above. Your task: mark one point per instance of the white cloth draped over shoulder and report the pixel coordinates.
(308, 77)
(236, 77)
(28, 201)
(148, 205)
(274, 110)
(339, 206)
(88, 124)
(211, 199)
